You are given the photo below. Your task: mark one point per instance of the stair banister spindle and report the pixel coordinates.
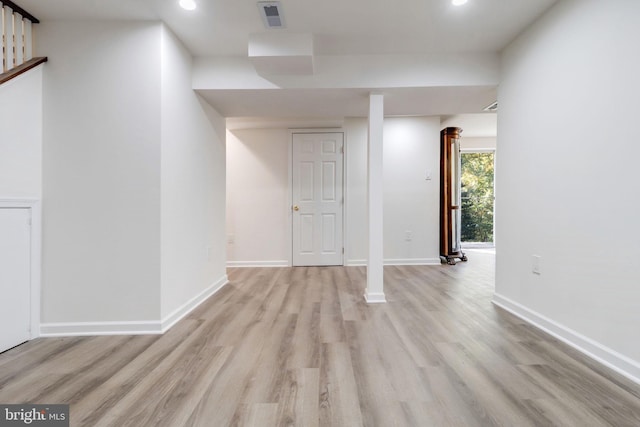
(18, 38)
(28, 39)
(8, 39)
(2, 69)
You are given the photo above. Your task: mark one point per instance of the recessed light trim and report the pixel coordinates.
(187, 4)
(458, 2)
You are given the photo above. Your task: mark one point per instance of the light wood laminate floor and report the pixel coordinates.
(299, 346)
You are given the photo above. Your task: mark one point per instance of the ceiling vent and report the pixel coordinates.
(271, 12)
(492, 107)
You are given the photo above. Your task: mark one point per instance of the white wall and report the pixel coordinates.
(21, 136)
(476, 125)
(258, 197)
(566, 186)
(192, 187)
(258, 193)
(411, 202)
(101, 171)
(134, 173)
(480, 143)
(356, 208)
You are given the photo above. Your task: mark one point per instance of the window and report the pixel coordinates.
(477, 197)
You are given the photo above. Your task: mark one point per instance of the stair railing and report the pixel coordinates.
(16, 28)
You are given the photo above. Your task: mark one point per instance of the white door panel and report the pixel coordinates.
(318, 197)
(306, 234)
(15, 276)
(329, 233)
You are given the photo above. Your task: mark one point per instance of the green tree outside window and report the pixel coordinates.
(477, 197)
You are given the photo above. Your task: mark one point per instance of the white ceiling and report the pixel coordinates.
(339, 27)
(222, 27)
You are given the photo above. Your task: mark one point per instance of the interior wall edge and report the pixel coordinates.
(182, 311)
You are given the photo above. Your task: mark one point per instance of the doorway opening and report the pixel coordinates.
(478, 197)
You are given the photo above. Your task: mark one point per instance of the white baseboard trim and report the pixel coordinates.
(194, 302)
(408, 261)
(413, 261)
(278, 263)
(144, 327)
(76, 329)
(348, 263)
(375, 298)
(593, 349)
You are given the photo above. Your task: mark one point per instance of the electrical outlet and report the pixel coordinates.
(535, 264)
(408, 235)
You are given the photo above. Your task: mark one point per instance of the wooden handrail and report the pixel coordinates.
(15, 72)
(21, 11)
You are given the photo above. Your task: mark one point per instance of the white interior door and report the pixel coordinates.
(15, 276)
(317, 198)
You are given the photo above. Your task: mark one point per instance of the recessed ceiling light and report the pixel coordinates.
(458, 2)
(187, 4)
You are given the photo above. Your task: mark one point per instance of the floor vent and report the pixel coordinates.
(271, 12)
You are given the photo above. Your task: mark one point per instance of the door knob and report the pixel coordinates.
(296, 208)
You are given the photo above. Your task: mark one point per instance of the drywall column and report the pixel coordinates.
(375, 292)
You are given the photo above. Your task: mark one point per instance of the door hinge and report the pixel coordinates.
(342, 251)
(342, 150)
